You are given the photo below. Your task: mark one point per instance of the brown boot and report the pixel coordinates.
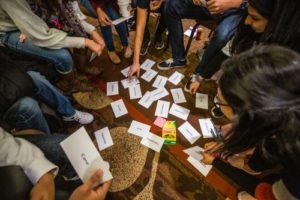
(113, 56)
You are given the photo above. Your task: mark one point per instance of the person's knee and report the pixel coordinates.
(65, 61)
(171, 7)
(28, 106)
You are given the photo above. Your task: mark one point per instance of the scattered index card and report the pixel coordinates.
(159, 93)
(153, 141)
(125, 71)
(112, 88)
(160, 82)
(195, 152)
(135, 91)
(127, 83)
(138, 128)
(119, 108)
(179, 111)
(103, 138)
(149, 75)
(147, 64)
(146, 100)
(162, 109)
(178, 95)
(202, 101)
(176, 78)
(207, 128)
(201, 167)
(189, 132)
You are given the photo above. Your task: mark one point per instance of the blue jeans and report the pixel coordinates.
(26, 114)
(50, 95)
(106, 30)
(60, 57)
(175, 10)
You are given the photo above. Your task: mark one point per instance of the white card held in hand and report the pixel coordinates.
(135, 91)
(84, 156)
(138, 128)
(178, 95)
(159, 93)
(120, 20)
(147, 64)
(149, 75)
(93, 56)
(153, 141)
(201, 167)
(195, 152)
(207, 128)
(127, 83)
(103, 138)
(160, 82)
(179, 111)
(147, 100)
(125, 71)
(189, 132)
(112, 88)
(162, 109)
(176, 78)
(119, 108)
(202, 101)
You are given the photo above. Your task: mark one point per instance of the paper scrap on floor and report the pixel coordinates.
(159, 121)
(149, 75)
(195, 152)
(201, 167)
(153, 141)
(178, 95)
(86, 160)
(162, 109)
(179, 111)
(135, 91)
(147, 100)
(189, 132)
(103, 138)
(201, 101)
(147, 64)
(160, 82)
(119, 108)
(159, 93)
(112, 88)
(127, 83)
(138, 128)
(125, 71)
(175, 78)
(207, 128)
(188, 32)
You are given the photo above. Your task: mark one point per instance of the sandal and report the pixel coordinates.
(113, 56)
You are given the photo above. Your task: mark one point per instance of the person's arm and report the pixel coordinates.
(140, 29)
(36, 29)
(17, 151)
(220, 6)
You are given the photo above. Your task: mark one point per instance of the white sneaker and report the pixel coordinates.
(80, 117)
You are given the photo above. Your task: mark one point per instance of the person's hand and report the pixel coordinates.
(93, 46)
(86, 191)
(98, 39)
(197, 2)
(22, 38)
(220, 6)
(207, 158)
(134, 69)
(154, 5)
(194, 87)
(210, 146)
(44, 189)
(103, 18)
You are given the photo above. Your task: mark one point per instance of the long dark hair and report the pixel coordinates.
(262, 86)
(283, 26)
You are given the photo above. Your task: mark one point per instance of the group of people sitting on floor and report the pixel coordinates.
(254, 52)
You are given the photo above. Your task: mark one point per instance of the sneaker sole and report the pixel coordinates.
(167, 68)
(143, 54)
(186, 89)
(160, 48)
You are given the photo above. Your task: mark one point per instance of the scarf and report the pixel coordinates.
(64, 18)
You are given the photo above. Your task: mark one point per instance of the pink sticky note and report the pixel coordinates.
(159, 121)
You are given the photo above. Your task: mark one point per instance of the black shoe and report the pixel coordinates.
(159, 43)
(192, 79)
(145, 46)
(169, 64)
(216, 112)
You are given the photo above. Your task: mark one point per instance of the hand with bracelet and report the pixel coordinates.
(196, 81)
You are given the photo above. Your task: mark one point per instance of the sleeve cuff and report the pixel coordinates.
(38, 168)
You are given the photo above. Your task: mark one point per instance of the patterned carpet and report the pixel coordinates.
(140, 173)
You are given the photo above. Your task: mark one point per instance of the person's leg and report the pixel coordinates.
(146, 37)
(176, 10)
(89, 7)
(26, 114)
(223, 33)
(49, 145)
(50, 95)
(161, 27)
(60, 57)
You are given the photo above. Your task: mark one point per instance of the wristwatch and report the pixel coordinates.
(196, 77)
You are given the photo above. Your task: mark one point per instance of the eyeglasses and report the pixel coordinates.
(217, 102)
